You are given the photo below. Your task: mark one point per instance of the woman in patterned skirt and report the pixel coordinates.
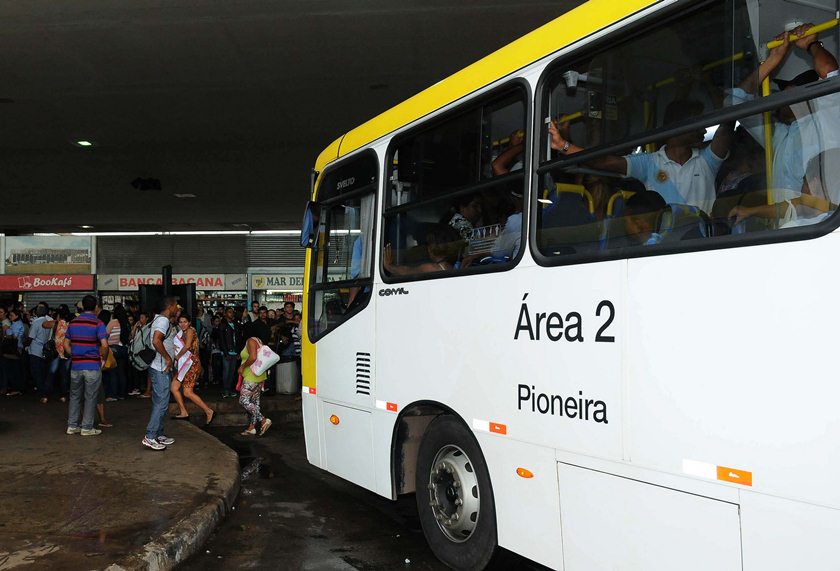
(188, 370)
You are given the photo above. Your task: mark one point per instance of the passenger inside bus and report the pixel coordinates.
(641, 218)
(507, 244)
(511, 158)
(443, 246)
(800, 130)
(741, 181)
(465, 215)
(820, 194)
(682, 171)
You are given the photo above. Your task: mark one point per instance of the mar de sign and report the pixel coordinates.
(277, 282)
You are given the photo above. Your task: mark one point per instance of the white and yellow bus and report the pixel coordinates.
(578, 297)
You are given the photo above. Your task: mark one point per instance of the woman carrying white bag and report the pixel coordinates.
(256, 360)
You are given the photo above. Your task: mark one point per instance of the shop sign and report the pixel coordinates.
(46, 283)
(131, 282)
(277, 281)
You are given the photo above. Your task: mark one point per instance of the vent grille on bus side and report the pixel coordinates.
(363, 373)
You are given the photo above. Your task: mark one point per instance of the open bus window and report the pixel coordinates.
(455, 199)
(701, 177)
(341, 280)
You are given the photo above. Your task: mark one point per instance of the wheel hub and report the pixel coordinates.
(453, 493)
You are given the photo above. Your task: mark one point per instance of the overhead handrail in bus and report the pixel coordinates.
(827, 25)
(723, 115)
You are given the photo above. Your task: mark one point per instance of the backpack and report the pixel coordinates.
(203, 334)
(141, 353)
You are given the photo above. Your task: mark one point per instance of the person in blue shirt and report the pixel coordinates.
(802, 130)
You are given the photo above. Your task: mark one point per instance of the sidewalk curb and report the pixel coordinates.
(188, 535)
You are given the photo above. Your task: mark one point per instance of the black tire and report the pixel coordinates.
(465, 538)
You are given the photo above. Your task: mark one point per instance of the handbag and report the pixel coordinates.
(50, 351)
(110, 361)
(266, 358)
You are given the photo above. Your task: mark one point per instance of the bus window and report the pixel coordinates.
(456, 192)
(343, 258)
(671, 171)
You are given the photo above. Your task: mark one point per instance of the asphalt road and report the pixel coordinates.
(290, 515)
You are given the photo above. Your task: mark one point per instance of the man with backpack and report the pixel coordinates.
(160, 372)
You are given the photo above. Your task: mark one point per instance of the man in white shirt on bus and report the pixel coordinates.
(682, 171)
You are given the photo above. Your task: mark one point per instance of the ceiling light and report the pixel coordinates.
(184, 195)
(85, 227)
(84, 143)
(277, 232)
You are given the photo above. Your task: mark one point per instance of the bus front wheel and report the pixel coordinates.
(454, 496)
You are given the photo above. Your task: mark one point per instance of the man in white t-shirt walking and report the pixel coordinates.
(160, 373)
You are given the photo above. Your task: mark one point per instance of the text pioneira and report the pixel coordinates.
(556, 405)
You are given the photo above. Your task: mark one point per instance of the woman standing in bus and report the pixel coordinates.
(188, 370)
(249, 395)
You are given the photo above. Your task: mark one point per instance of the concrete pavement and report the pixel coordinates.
(106, 502)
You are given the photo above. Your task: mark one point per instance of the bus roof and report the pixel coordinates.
(560, 32)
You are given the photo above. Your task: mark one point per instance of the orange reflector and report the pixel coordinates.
(334, 420)
(735, 476)
(498, 428)
(524, 473)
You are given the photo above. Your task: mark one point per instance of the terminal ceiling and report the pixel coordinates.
(230, 101)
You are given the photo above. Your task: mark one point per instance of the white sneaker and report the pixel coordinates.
(153, 444)
(165, 440)
(134, 393)
(90, 431)
(73, 430)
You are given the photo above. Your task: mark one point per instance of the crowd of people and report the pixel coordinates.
(92, 356)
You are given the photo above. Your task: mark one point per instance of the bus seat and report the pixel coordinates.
(615, 205)
(683, 222)
(560, 188)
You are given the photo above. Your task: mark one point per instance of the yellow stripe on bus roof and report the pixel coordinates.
(555, 35)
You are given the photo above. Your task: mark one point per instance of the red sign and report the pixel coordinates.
(212, 281)
(46, 283)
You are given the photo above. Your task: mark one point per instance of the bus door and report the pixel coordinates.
(341, 321)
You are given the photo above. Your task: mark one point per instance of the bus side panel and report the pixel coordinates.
(610, 522)
(527, 509)
(340, 354)
(732, 375)
(780, 535)
(311, 428)
(347, 445)
(482, 345)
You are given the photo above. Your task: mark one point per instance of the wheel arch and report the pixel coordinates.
(408, 432)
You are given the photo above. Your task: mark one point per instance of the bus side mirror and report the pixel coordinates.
(309, 227)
